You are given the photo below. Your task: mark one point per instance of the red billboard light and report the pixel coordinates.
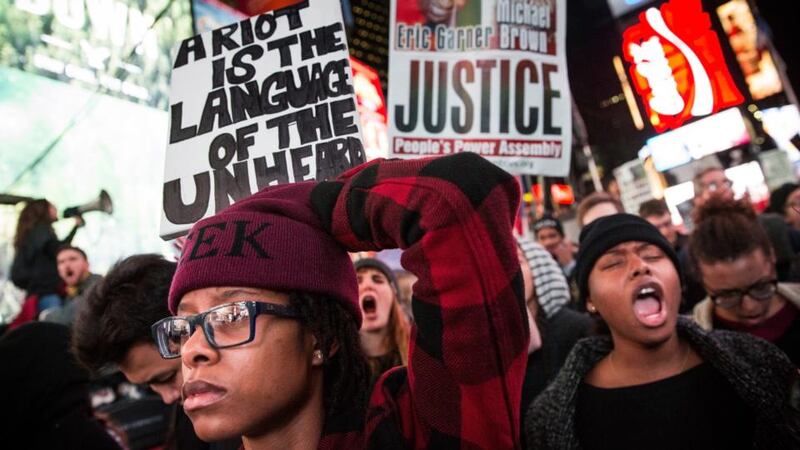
(561, 194)
(677, 66)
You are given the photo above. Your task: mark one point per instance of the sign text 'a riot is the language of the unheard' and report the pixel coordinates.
(276, 106)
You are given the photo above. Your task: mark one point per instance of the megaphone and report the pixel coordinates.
(101, 203)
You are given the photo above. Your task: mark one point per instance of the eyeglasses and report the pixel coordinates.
(224, 326)
(761, 291)
(716, 185)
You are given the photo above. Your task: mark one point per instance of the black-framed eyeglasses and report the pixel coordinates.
(224, 326)
(761, 291)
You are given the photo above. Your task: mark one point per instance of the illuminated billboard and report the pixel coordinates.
(118, 47)
(83, 89)
(751, 50)
(677, 66)
(696, 140)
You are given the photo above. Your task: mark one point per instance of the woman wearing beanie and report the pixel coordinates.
(555, 328)
(658, 381)
(267, 312)
(384, 325)
(736, 264)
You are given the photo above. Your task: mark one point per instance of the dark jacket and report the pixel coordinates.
(761, 375)
(45, 394)
(560, 333)
(34, 268)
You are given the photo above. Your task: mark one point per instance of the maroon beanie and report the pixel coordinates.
(271, 240)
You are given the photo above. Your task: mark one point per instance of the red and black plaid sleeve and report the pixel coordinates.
(453, 216)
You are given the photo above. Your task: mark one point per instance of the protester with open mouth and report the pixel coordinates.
(73, 268)
(736, 263)
(267, 312)
(658, 381)
(384, 326)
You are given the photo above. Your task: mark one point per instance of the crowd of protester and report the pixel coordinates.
(266, 333)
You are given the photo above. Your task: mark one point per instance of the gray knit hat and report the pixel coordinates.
(549, 281)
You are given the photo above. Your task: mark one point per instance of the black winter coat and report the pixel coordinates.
(761, 374)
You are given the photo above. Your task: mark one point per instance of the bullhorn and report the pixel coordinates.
(101, 203)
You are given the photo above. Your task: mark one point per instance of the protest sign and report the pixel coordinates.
(264, 101)
(487, 77)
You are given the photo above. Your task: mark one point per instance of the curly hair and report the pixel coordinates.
(345, 374)
(34, 213)
(726, 230)
(120, 309)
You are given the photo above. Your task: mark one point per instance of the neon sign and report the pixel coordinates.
(677, 65)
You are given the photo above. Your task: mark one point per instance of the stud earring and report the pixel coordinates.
(317, 355)
(591, 308)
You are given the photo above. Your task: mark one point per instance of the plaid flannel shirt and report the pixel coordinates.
(453, 216)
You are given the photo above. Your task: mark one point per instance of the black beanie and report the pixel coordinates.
(379, 265)
(607, 232)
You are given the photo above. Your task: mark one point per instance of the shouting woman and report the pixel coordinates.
(384, 325)
(658, 381)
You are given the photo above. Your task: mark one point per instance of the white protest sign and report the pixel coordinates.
(488, 77)
(268, 100)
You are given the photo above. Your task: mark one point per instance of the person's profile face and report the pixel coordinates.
(144, 365)
(636, 289)
(792, 209)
